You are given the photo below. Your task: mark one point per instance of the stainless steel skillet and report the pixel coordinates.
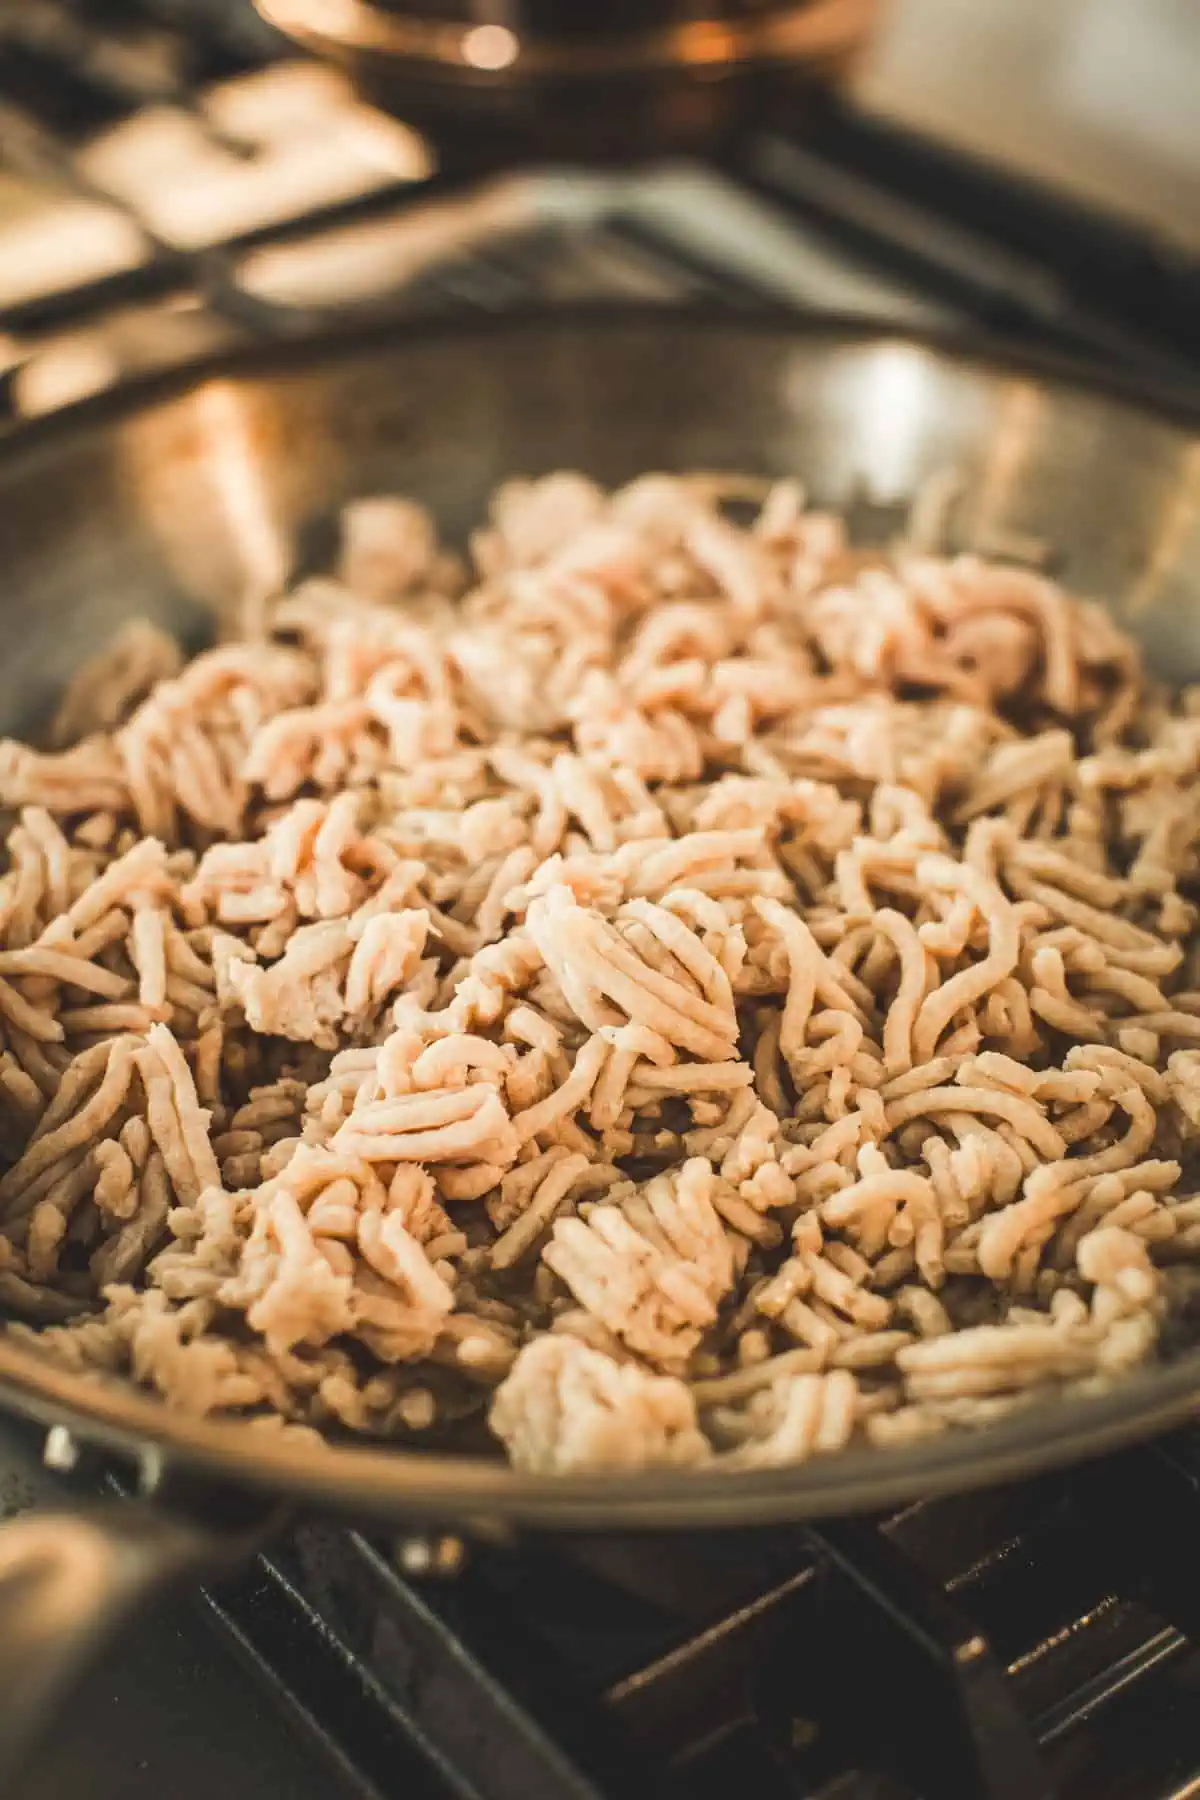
(180, 498)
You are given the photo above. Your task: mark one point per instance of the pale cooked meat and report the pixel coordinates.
(567, 1408)
(688, 990)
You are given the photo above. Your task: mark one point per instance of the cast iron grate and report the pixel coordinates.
(1023, 1644)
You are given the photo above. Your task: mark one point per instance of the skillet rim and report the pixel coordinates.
(1142, 390)
(474, 1491)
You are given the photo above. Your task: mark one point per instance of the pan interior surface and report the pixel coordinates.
(180, 503)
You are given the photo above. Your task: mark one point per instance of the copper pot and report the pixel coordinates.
(592, 78)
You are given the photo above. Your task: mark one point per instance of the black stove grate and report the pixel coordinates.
(1031, 1642)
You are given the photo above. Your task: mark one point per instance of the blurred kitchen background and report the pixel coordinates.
(178, 175)
(1098, 98)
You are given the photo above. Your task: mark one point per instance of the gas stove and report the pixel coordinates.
(173, 182)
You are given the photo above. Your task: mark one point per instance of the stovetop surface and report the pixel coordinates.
(174, 181)
(181, 189)
(1036, 1641)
